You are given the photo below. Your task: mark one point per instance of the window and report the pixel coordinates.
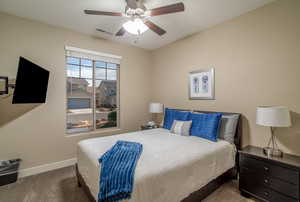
(92, 90)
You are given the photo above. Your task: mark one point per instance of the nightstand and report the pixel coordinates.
(145, 127)
(274, 179)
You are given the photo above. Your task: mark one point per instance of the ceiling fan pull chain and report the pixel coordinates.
(136, 41)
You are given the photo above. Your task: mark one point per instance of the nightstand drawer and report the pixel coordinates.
(269, 195)
(145, 127)
(258, 179)
(268, 169)
(249, 183)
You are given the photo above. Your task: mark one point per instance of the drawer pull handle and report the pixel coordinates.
(266, 168)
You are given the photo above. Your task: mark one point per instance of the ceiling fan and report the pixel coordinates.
(139, 17)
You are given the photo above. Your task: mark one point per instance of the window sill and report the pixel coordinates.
(99, 131)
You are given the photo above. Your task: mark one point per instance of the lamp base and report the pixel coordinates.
(272, 152)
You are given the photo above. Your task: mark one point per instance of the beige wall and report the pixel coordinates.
(37, 133)
(257, 62)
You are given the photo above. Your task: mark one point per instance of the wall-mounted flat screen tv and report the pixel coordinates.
(31, 83)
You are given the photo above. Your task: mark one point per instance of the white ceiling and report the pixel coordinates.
(198, 15)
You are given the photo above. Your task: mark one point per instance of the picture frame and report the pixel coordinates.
(202, 84)
(3, 85)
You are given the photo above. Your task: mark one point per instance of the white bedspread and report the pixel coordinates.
(170, 167)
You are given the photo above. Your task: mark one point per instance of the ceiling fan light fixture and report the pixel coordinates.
(135, 26)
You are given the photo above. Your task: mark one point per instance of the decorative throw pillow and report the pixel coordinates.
(228, 127)
(181, 127)
(205, 125)
(171, 115)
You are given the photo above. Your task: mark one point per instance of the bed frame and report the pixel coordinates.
(207, 189)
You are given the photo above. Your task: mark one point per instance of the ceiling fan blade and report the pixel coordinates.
(132, 4)
(103, 31)
(93, 12)
(154, 28)
(174, 8)
(121, 32)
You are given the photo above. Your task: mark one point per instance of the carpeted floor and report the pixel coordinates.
(61, 186)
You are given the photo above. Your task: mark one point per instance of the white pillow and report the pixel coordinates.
(181, 127)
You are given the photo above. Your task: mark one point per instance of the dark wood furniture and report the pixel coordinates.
(145, 127)
(207, 189)
(271, 179)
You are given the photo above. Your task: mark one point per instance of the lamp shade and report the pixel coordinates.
(276, 116)
(156, 108)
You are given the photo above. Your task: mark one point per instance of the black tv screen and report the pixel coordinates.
(31, 83)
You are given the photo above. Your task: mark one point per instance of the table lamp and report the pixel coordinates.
(155, 108)
(273, 116)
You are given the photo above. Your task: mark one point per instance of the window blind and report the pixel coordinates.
(92, 55)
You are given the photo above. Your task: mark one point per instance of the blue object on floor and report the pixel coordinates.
(117, 171)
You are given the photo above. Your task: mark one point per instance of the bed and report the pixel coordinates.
(171, 167)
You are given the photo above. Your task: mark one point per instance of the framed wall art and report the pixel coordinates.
(202, 85)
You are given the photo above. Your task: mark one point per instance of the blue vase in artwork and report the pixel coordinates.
(205, 84)
(196, 85)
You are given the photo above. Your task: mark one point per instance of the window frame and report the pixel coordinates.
(118, 108)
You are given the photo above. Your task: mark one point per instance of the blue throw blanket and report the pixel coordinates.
(117, 171)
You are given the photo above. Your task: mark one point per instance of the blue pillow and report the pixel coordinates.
(171, 115)
(205, 125)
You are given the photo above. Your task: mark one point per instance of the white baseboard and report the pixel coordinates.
(46, 167)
